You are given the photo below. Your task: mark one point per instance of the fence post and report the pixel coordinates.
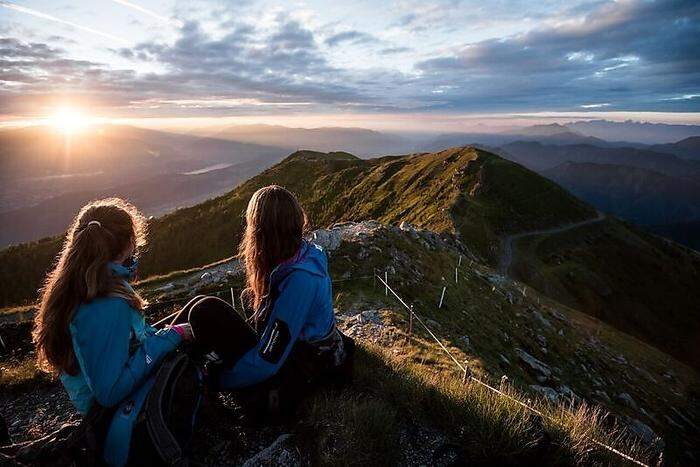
(410, 320)
(386, 283)
(504, 382)
(456, 274)
(467, 374)
(233, 299)
(460, 261)
(442, 296)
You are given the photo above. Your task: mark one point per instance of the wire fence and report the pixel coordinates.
(465, 370)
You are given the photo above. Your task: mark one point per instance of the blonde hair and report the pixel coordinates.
(100, 232)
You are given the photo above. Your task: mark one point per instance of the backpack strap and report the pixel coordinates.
(163, 440)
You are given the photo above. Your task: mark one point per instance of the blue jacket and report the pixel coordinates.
(302, 310)
(116, 352)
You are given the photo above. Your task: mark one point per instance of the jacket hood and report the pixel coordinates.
(311, 258)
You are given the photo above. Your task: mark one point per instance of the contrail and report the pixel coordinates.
(148, 12)
(38, 14)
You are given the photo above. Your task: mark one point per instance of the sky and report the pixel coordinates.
(414, 64)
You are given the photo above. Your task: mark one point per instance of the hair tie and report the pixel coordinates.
(97, 223)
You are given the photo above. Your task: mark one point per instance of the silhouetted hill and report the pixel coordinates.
(553, 134)
(641, 132)
(686, 233)
(360, 141)
(639, 195)
(539, 157)
(688, 148)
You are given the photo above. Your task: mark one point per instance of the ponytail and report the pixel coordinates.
(101, 231)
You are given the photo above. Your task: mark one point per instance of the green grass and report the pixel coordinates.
(364, 424)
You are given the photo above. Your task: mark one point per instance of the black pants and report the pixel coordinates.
(218, 328)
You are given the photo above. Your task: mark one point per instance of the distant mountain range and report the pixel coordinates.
(639, 132)
(360, 141)
(45, 176)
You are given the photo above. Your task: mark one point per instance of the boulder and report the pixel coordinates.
(548, 393)
(282, 452)
(539, 369)
(645, 434)
(328, 239)
(627, 400)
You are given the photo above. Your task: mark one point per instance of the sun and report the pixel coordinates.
(69, 120)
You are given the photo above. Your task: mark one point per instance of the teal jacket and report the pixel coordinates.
(301, 310)
(117, 353)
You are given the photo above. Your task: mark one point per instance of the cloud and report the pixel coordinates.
(353, 37)
(628, 52)
(626, 55)
(394, 50)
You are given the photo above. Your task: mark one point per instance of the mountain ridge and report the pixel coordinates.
(464, 191)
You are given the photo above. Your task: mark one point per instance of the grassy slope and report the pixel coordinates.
(640, 283)
(403, 386)
(421, 189)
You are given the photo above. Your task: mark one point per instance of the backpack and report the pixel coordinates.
(170, 412)
(161, 435)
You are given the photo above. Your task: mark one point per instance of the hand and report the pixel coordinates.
(185, 331)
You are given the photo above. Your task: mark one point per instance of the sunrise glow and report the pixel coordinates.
(69, 120)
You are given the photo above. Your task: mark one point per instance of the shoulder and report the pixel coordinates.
(104, 310)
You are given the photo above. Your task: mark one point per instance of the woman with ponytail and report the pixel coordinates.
(90, 329)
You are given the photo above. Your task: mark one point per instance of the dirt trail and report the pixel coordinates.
(508, 254)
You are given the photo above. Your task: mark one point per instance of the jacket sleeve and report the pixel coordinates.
(289, 314)
(101, 343)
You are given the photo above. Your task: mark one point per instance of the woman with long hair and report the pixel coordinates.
(289, 293)
(90, 329)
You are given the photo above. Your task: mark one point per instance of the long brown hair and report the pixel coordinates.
(275, 223)
(100, 232)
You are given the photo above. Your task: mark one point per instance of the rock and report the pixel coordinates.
(328, 239)
(406, 227)
(541, 319)
(548, 393)
(369, 316)
(542, 340)
(646, 434)
(602, 395)
(620, 359)
(540, 370)
(627, 400)
(282, 452)
(567, 393)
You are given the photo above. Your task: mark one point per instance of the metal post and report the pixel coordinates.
(460, 261)
(442, 296)
(233, 299)
(456, 274)
(386, 283)
(410, 321)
